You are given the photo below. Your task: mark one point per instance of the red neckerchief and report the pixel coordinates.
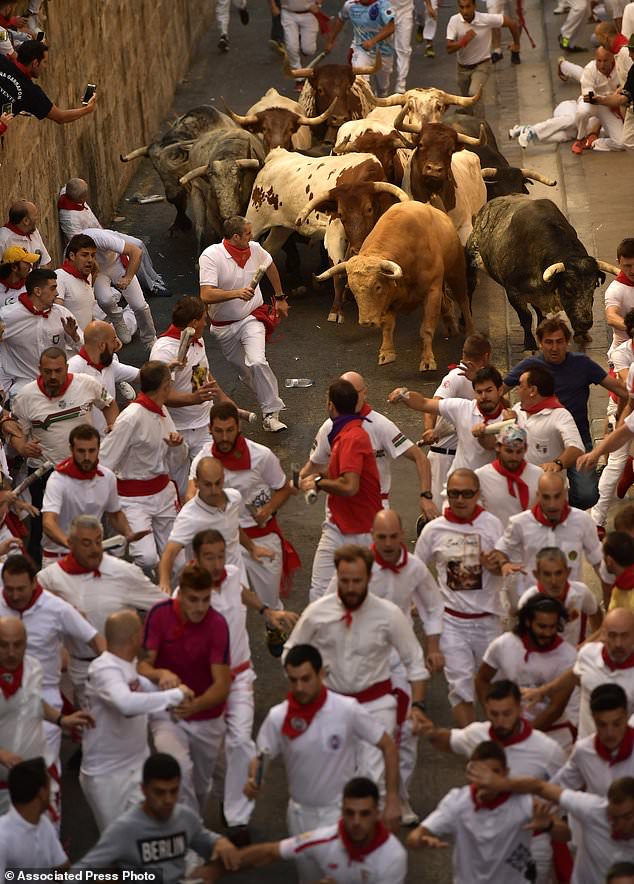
(513, 480)
(365, 410)
(62, 389)
(84, 355)
(625, 580)
(239, 458)
(538, 512)
(68, 467)
(175, 333)
(70, 565)
(240, 256)
(15, 525)
(65, 202)
(531, 648)
(25, 300)
(28, 75)
(70, 268)
(37, 592)
(547, 402)
(487, 805)
(624, 279)
(456, 520)
(299, 716)
(347, 615)
(223, 577)
(618, 43)
(144, 400)
(491, 417)
(560, 598)
(356, 853)
(612, 665)
(11, 682)
(524, 732)
(11, 285)
(389, 566)
(621, 754)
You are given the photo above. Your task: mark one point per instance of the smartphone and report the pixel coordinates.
(40, 36)
(88, 94)
(7, 108)
(590, 97)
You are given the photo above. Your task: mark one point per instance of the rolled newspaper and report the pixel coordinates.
(257, 276)
(26, 483)
(249, 417)
(498, 426)
(186, 335)
(115, 540)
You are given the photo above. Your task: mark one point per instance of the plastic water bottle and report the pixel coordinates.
(298, 382)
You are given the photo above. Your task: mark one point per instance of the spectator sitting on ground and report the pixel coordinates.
(598, 82)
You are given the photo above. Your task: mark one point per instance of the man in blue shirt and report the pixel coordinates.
(573, 374)
(372, 28)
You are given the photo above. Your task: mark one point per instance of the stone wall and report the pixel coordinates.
(136, 51)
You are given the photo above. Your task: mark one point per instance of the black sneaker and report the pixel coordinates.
(515, 58)
(497, 55)
(223, 43)
(275, 640)
(244, 15)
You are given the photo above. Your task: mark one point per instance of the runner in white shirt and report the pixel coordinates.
(254, 471)
(27, 837)
(74, 283)
(607, 755)
(508, 486)
(141, 449)
(356, 633)
(532, 654)
(98, 359)
(459, 544)
(491, 831)
(226, 272)
(470, 418)
(316, 732)
(120, 700)
(552, 575)
(15, 266)
(97, 585)
(358, 849)
(21, 230)
(80, 486)
(601, 77)
(31, 325)
(619, 295)
(551, 522)
(553, 438)
(388, 443)
(118, 261)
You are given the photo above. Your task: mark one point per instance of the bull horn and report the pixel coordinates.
(389, 101)
(407, 142)
(378, 64)
(343, 147)
(247, 120)
(297, 73)
(401, 126)
(318, 120)
(328, 274)
(139, 152)
(537, 176)
(549, 272)
(608, 268)
(311, 206)
(392, 189)
(462, 100)
(489, 172)
(391, 268)
(243, 163)
(468, 139)
(198, 172)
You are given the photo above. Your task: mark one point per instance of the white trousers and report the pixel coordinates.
(403, 25)
(300, 35)
(361, 58)
(571, 70)
(265, 575)
(575, 20)
(243, 345)
(154, 512)
(406, 741)
(109, 297)
(562, 126)
(463, 643)
(239, 748)
(440, 465)
(110, 795)
(324, 560)
(628, 130)
(222, 13)
(196, 746)
(607, 484)
(369, 761)
(302, 818)
(612, 124)
(430, 24)
(195, 440)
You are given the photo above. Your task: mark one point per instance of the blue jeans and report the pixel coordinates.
(584, 487)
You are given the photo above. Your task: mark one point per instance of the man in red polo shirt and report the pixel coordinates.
(352, 485)
(187, 642)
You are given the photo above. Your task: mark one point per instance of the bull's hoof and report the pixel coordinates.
(430, 365)
(334, 316)
(387, 357)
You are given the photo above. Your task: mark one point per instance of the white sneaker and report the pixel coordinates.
(409, 817)
(526, 136)
(120, 327)
(515, 130)
(272, 423)
(127, 390)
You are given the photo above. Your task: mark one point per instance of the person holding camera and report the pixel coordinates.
(598, 81)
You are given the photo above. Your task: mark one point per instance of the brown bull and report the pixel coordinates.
(387, 148)
(405, 261)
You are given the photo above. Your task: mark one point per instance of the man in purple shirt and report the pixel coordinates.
(186, 641)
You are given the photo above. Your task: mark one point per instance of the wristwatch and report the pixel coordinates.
(281, 297)
(317, 481)
(559, 463)
(427, 495)
(420, 705)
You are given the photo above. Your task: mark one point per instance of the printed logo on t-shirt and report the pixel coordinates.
(298, 724)
(398, 440)
(464, 569)
(521, 860)
(199, 377)
(334, 742)
(157, 850)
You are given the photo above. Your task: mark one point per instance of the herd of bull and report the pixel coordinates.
(408, 198)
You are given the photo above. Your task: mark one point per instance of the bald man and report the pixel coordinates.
(599, 81)
(610, 660)
(113, 752)
(23, 711)
(21, 230)
(98, 358)
(388, 443)
(551, 522)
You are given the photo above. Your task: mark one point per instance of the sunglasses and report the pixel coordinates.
(455, 493)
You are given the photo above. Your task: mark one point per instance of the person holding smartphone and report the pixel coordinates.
(5, 119)
(598, 80)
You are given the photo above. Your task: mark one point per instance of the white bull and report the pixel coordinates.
(416, 106)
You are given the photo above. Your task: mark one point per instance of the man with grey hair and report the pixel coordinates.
(240, 321)
(98, 585)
